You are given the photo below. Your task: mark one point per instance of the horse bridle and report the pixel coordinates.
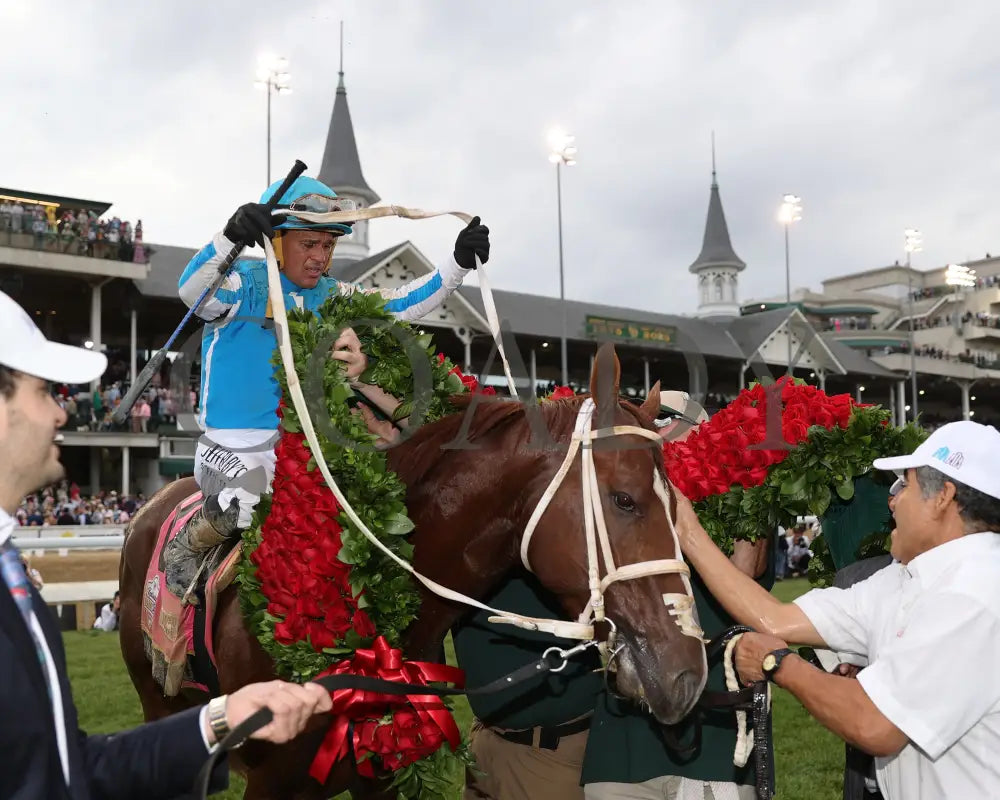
(680, 606)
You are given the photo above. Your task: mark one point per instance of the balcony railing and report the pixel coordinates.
(73, 245)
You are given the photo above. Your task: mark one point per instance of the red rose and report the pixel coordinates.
(363, 624)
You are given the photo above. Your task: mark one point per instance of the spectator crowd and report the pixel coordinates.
(63, 504)
(968, 357)
(79, 232)
(92, 411)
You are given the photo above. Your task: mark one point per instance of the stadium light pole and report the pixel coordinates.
(913, 242)
(790, 211)
(562, 152)
(274, 78)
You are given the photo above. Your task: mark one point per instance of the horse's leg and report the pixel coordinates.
(284, 775)
(273, 772)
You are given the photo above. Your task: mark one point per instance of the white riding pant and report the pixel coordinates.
(236, 463)
(669, 787)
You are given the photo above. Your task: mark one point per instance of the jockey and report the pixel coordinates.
(234, 461)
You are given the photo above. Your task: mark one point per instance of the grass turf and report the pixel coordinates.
(809, 760)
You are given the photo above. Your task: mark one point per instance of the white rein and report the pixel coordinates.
(679, 605)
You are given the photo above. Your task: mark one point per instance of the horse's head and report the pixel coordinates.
(661, 657)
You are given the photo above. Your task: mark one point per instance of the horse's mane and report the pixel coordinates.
(427, 446)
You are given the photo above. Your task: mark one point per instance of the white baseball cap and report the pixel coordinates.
(675, 402)
(23, 348)
(965, 451)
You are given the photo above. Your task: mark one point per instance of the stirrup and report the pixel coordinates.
(190, 597)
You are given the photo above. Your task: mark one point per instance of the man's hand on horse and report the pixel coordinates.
(688, 527)
(473, 240)
(291, 704)
(750, 652)
(383, 429)
(347, 348)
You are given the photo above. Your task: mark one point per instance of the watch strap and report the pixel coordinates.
(779, 656)
(217, 717)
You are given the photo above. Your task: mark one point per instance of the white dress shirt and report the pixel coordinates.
(930, 632)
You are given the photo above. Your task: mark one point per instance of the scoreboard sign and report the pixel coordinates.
(623, 331)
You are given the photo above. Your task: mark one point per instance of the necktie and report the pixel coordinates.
(14, 576)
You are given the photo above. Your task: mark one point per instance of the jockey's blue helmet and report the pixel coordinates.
(309, 194)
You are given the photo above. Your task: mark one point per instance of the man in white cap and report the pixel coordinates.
(45, 755)
(927, 706)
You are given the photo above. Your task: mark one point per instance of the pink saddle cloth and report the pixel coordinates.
(168, 625)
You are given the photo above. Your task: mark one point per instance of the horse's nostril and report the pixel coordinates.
(689, 682)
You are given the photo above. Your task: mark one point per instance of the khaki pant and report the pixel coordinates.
(508, 771)
(669, 787)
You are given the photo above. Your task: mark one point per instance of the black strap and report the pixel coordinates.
(753, 699)
(551, 661)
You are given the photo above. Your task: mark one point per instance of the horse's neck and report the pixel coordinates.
(469, 508)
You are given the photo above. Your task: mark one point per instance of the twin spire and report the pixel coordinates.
(716, 248)
(341, 165)
(341, 171)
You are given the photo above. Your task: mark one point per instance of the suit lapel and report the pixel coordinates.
(53, 636)
(12, 624)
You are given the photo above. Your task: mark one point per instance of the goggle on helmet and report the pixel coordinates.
(309, 194)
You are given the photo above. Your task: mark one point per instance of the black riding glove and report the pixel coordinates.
(249, 225)
(472, 241)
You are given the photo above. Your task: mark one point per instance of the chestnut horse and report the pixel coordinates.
(470, 507)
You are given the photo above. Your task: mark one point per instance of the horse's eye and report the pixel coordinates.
(624, 502)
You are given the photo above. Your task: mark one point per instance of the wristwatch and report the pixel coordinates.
(217, 717)
(772, 662)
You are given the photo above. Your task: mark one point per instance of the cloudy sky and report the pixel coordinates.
(881, 115)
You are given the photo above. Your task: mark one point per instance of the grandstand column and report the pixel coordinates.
(534, 372)
(892, 405)
(126, 468)
(901, 400)
(965, 386)
(133, 326)
(645, 373)
(95, 469)
(95, 325)
(465, 337)
(821, 374)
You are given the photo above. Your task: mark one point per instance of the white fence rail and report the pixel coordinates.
(53, 531)
(109, 542)
(69, 537)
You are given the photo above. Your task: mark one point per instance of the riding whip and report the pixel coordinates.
(142, 381)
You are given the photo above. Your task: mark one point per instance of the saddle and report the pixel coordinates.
(178, 639)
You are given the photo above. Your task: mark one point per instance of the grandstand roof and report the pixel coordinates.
(97, 206)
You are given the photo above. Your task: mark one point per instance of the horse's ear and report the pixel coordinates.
(605, 378)
(651, 405)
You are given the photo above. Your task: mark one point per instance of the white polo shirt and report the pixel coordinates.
(930, 632)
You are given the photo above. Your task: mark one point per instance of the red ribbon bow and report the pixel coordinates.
(367, 709)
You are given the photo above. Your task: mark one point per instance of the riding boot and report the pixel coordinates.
(209, 527)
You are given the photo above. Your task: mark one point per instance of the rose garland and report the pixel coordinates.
(742, 489)
(319, 597)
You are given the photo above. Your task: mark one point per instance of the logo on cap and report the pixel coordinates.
(951, 459)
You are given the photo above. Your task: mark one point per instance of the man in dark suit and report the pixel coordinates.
(43, 754)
